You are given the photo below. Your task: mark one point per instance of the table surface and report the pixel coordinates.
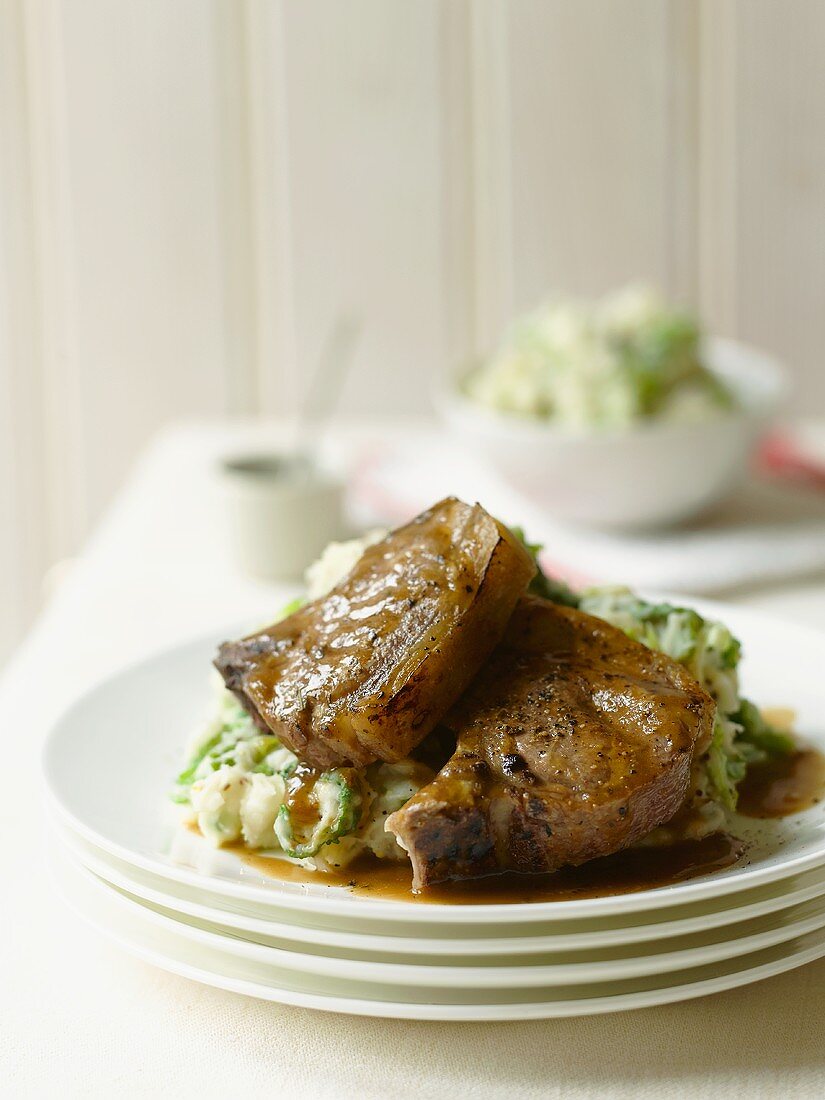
(80, 1016)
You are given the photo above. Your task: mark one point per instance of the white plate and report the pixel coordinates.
(109, 760)
(785, 897)
(129, 926)
(545, 970)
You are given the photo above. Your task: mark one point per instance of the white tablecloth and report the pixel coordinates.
(78, 1017)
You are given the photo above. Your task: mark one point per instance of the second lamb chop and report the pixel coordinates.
(573, 742)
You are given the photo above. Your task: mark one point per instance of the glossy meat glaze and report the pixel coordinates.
(365, 672)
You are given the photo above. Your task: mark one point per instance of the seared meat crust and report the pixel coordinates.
(573, 742)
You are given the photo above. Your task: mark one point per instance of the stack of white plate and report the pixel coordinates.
(164, 894)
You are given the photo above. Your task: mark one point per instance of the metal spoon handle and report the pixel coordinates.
(324, 390)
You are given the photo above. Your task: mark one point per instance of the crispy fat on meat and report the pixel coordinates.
(573, 742)
(365, 672)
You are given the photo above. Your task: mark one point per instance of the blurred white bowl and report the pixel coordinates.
(655, 473)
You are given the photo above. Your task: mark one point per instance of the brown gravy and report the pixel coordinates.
(785, 786)
(622, 873)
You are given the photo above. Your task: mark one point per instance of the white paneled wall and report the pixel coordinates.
(780, 185)
(193, 191)
(142, 138)
(25, 544)
(366, 184)
(602, 145)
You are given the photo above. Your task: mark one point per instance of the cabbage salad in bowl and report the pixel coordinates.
(609, 364)
(242, 785)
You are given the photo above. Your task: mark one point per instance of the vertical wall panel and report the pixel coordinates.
(365, 179)
(494, 253)
(236, 239)
(780, 186)
(24, 520)
(601, 123)
(271, 211)
(142, 135)
(456, 215)
(717, 166)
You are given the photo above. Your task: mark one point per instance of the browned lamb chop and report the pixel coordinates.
(365, 672)
(573, 742)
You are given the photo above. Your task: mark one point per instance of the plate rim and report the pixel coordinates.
(522, 1010)
(367, 908)
(544, 940)
(473, 976)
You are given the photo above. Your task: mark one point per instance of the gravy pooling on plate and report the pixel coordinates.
(622, 873)
(788, 784)
(780, 788)
(767, 792)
